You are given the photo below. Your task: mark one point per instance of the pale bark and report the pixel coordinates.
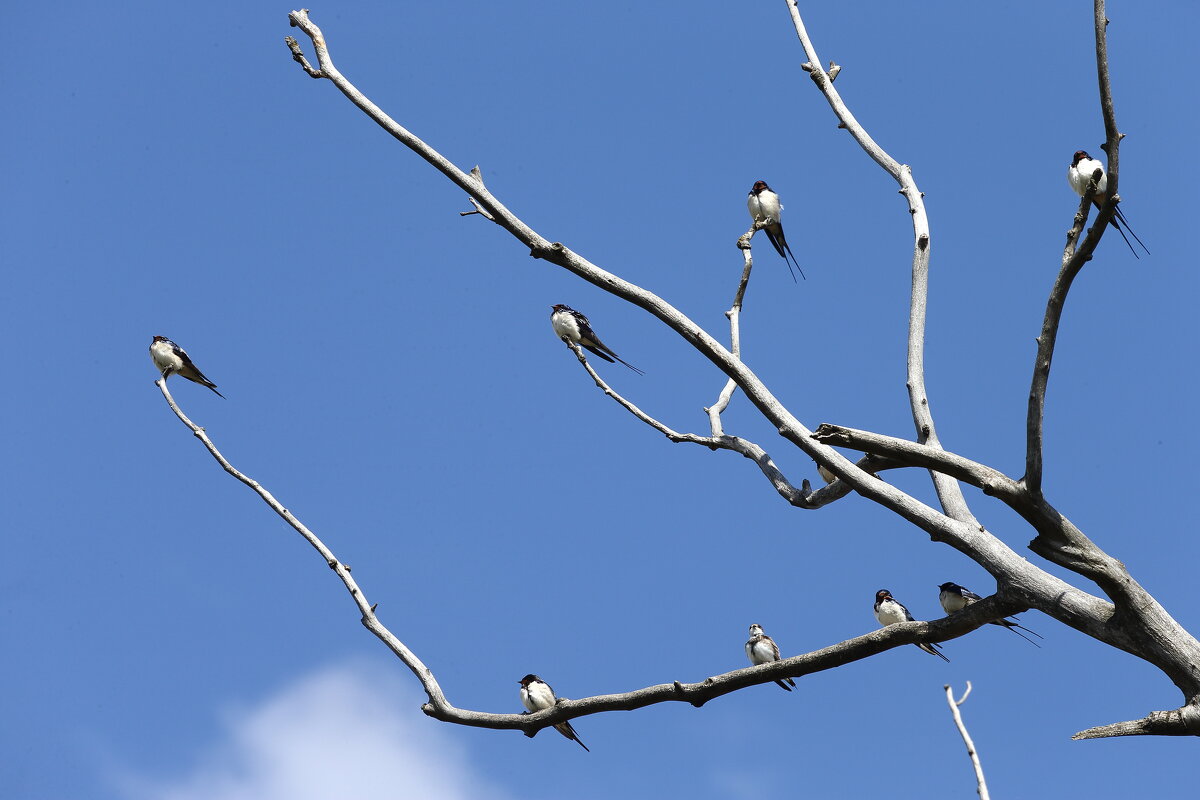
(1129, 619)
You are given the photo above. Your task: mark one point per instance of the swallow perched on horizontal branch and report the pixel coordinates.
(889, 611)
(1082, 168)
(572, 326)
(536, 695)
(955, 598)
(764, 206)
(171, 358)
(761, 649)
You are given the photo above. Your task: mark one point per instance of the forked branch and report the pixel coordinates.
(1137, 624)
(980, 781)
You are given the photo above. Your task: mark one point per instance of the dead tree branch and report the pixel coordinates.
(949, 493)
(980, 782)
(1133, 621)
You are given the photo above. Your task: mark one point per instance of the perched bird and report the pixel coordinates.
(764, 205)
(170, 357)
(1079, 173)
(889, 612)
(761, 649)
(536, 695)
(955, 598)
(572, 326)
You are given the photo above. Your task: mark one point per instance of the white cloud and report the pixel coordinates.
(346, 731)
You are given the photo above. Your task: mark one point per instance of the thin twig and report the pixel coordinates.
(949, 492)
(981, 783)
(372, 623)
(478, 210)
(735, 336)
(794, 496)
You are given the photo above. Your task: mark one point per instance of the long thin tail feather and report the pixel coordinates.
(631, 366)
(1012, 626)
(797, 263)
(932, 648)
(1121, 216)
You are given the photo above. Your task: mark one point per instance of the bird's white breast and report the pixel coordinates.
(164, 358)
(760, 652)
(953, 601)
(889, 613)
(564, 324)
(1079, 175)
(764, 205)
(752, 205)
(536, 696)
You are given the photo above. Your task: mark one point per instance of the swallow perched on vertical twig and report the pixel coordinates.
(1079, 173)
(889, 611)
(171, 358)
(536, 695)
(761, 649)
(763, 204)
(572, 326)
(955, 598)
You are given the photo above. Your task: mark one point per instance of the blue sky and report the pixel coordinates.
(392, 377)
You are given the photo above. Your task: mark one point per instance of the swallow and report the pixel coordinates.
(571, 326)
(1079, 173)
(761, 649)
(955, 598)
(889, 612)
(171, 358)
(764, 205)
(536, 695)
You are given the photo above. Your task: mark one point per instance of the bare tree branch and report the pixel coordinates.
(556, 253)
(1183, 721)
(369, 619)
(980, 782)
(1133, 622)
(797, 497)
(735, 337)
(1073, 261)
(697, 694)
(949, 493)
(700, 692)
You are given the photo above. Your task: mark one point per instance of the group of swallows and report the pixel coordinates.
(536, 694)
(761, 649)
(765, 209)
(572, 326)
